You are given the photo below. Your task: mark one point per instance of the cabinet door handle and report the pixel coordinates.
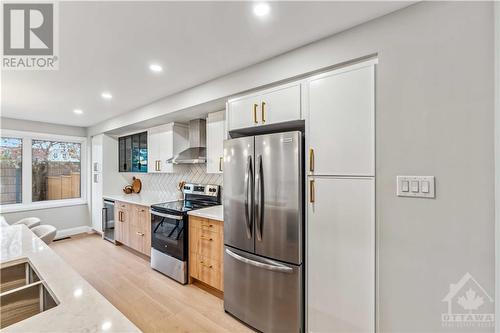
(255, 106)
(120, 216)
(220, 163)
(263, 111)
(311, 159)
(206, 238)
(140, 233)
(159, 165)
(311, 191)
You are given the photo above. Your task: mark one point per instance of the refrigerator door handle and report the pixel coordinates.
(259, 189)
(276, 267)
(248, 201)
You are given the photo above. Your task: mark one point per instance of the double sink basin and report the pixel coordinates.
(23, 293)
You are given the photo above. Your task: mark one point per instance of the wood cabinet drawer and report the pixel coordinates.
(211, 225)
(209, 272)
(209, 244)
(122, 205)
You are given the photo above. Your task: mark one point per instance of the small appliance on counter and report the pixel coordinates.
(169, 229)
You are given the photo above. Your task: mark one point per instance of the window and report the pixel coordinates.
(11, 175)
(55, 167)
(41, 171)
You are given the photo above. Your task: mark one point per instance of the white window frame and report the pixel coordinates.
(27, 203)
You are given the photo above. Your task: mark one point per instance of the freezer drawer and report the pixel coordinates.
(263, 293)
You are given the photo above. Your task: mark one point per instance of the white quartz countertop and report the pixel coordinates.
(213, 213)
(142, 199)
(80, 307)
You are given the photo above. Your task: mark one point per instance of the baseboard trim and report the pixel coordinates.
(72, 231)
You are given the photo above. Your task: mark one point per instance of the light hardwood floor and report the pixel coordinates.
(153, 302)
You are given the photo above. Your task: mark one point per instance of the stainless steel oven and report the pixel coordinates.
(169, 244)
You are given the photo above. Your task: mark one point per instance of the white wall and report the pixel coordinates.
(497, 159)
(65, 219)
(435, 116)
(40, 127)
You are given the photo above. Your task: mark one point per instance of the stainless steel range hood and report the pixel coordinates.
(197, 151)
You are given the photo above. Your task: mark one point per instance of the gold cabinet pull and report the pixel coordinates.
(311, 160)
(311, 191)
(203, 264)
(220, 163)
(140, 233)
(263, 111)
(206, 238)
(255, 106)
(159, 165)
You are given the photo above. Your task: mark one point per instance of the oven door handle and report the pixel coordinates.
(169, 216)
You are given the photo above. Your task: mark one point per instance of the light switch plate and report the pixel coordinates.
(426, 186)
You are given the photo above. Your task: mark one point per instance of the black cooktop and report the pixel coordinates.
(182, 206)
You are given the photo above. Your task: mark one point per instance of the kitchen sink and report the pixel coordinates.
(23, 293)
(16, 274)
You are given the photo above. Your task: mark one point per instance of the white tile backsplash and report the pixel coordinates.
(165, 184)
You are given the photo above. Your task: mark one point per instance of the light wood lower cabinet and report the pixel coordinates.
(205, 251)
(133, 226)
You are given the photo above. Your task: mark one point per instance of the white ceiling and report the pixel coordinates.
(107, 46)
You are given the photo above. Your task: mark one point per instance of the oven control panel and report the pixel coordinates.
(211, 190)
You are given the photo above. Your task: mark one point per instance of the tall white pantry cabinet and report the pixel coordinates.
(105, 176)
(340, 165)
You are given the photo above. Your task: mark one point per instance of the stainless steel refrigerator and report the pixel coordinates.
(263, 231)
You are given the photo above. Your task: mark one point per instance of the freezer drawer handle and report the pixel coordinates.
(168, 216)
(275, 268)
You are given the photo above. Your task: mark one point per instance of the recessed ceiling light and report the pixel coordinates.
(261, 9)
(156, 68)
(106, 95)
(77, 111)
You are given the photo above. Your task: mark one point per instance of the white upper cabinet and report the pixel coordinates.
(275, 105)
(280, 105)
(215, 141)
(341, 122)
(242, 112)
(164, 142)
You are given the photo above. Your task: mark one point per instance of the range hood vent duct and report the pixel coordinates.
(197, 151)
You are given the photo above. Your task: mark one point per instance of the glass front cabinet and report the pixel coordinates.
(133, 152)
